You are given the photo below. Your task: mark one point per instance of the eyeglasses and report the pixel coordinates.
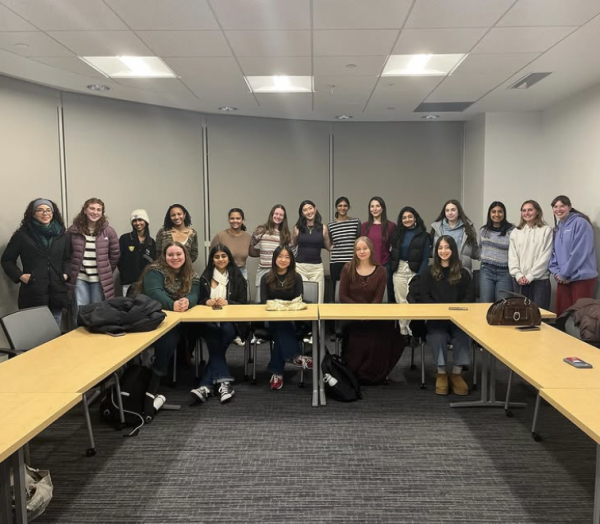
(44, 211)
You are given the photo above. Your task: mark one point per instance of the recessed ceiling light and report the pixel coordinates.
(351, 66)
(129, 66)
(280, 84)
(421, 65)
(98, 87)
(22, 45)
(431, 117)
(227, 108)
(391, 108)
(344, 117)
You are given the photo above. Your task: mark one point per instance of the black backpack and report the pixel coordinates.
(340, 383)
(139, 387)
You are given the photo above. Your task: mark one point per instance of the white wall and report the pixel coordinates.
(474, 168)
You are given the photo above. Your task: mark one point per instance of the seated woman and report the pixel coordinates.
(371, 348)
(447, 282)
(282, 282)
(172, 282)
(222, 283)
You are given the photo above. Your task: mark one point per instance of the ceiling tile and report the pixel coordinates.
(71, 64)
(263, 14)
(349, 42)
(337, 65)
(269, 43)
(275, 65)
(204, 69)
(67, 15)
(9, 21)
(466, 87)
(288, 103)
(457, 13)
(534, 13)
(402, 92)
(102, 43)
(437, 41)
(181, 15)
(186, 43)
(492, 63)
(160, 85)
(360, 14)
(521, 39)
(32, 44)
(348, 89)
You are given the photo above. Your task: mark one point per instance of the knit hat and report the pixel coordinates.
(140, 214)
(42, 202)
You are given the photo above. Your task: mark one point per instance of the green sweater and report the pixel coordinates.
(154, 287)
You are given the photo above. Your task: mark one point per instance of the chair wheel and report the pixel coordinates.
(536, 437)
(474, 387)
(253, 382)
(423, 386)
(90, 452)
(246, 378)
(413, 366)
(509, 413)
(301, 385)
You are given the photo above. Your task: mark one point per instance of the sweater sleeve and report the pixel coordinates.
(540, 266)
(345, 297)
(9, 259)
(160, 241)
(466, 287)
(193, 245)
(194, 293)
(299, 286)
(264, 289)
(514, 267)
(154, 287)
(381, 284)
(583, 243)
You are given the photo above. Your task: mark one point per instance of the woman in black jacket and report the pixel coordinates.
(45, 254)
(221, 284)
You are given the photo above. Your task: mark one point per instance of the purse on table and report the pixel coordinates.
(517, 310)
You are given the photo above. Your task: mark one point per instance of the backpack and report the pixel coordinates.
(139, 388)
(340, 383)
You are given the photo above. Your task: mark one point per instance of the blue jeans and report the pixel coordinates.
(442, 332)
(285, 345)
(87, 293)
(218, 338)
(164, 348)
(493, 280)
(538, 292)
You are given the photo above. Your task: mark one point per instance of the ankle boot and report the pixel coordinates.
(459, 386)
(441, 384)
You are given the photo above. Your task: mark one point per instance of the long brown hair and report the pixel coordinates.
(539, 219)
(270, 226)
(467, 224)
(290, 275)
(384, 220)
(565, 200)
(455, 264)
(353, 264)
(185, 273)
(80, 221)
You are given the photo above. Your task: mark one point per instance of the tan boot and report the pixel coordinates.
(441, 384)
(459, 386)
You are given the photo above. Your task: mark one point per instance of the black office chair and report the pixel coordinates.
(29, 328)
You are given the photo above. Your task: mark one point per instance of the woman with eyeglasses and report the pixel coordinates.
(42, 246)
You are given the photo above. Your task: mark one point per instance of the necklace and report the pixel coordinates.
(281, 282)
(310, 229)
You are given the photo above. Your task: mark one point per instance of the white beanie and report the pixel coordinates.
(140, 214)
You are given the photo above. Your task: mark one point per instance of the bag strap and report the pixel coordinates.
(518, 295)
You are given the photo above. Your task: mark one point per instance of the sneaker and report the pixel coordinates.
(202, 393)
(238, 341)
(276, 381)
(459, 386)
(256, 340)
(303, 362)
(226, 392)
(441, 384)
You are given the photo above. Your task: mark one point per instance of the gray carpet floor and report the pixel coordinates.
(401, 455)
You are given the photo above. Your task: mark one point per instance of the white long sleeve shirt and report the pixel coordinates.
(529, 252)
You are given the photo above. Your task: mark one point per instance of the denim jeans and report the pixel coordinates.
(538, 292)
(218, 338)
(244, 271)
(442, 332)
(164, 348)
(285, 345)
(86, 293)
(493, 280)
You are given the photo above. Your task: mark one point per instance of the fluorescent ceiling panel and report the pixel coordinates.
(129, 66)
(422, 65)
(280, 84)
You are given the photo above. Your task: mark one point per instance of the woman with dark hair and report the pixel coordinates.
(310, 237)
(411, 245)
(137, 248)
(284, 283)
(235, 238)
(342, 233)
(177, 227)
(265, 239)
(380, 231)
(573, 262)
(95, 255)
(494, 239)
(172, 281)
(221, 284)
(372, 348)
(529, 255)
(447, 282)
(45, 253)
(453, 221)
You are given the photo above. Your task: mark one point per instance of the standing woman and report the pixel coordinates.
(494, 239)
(172, 281)
(282, 282)
(573, 261)
(221, 284)
(137, 248)
(343, 232)
(411, 245)
(177, 227)
(447, 282)
(380, 231)
(529, 255)
(95, 255)
(310, 236)
(266, 239)
(452, 221)
(236, 239)
(45, 253)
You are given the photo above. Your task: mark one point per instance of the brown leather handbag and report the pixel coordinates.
(516, 310)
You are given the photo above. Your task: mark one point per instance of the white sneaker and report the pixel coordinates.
(202, 393)
(256, 340)
(238, 341)
(226, 392)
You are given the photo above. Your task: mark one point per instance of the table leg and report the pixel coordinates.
(18, 465)
(322, 332)
(316, 373)
(597, 488)
(5, 502)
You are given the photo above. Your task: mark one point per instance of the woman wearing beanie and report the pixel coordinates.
(138, 249)
(41, 244)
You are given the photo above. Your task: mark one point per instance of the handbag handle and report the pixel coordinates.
(526, 300)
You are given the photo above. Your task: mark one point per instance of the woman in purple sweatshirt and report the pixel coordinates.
(573, 261)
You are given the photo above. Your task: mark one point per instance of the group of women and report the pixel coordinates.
(367, 261)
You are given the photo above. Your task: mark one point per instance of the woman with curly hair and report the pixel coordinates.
(177, 227)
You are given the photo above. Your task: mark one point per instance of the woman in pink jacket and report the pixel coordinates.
(95, 255)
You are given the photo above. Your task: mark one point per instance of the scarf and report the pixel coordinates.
(46, 233)
(222, 279)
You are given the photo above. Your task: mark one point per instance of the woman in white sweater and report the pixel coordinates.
(529, 255)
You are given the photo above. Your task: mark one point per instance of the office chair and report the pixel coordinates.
(28, 328)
